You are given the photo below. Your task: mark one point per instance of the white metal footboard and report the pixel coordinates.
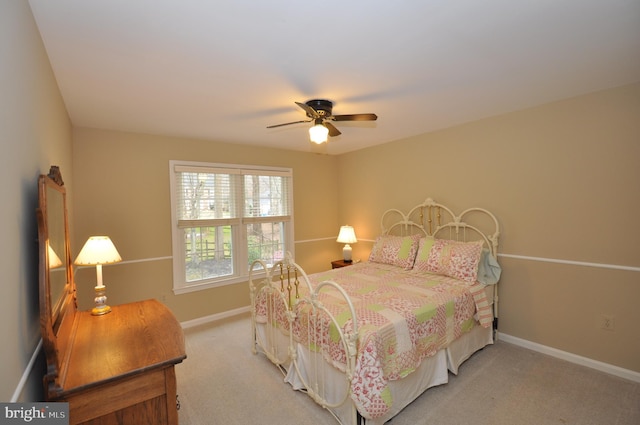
(275, 304)
(293, 307)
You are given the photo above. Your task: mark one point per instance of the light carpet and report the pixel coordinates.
(223, 382)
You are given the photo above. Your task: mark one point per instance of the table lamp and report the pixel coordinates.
(98, 250)
(346, 236)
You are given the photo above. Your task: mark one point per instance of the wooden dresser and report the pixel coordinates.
(117, 368)
(120, 367)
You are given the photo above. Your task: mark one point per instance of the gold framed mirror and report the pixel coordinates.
(57, 288)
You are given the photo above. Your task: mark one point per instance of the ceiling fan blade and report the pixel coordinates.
(309, 110)
(333, 131)
(287, 123)
(355, 117)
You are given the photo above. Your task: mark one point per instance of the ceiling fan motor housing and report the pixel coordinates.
(323, 107)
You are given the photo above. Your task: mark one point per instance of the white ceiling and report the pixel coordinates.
(224, 70)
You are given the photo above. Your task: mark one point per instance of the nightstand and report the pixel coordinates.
(340, 263)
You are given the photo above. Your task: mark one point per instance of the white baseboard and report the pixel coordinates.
(214, 317)
(27, 371)
(573, 358)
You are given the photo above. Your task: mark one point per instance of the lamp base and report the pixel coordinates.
(99, 311)
(101, 302)
(346, 253)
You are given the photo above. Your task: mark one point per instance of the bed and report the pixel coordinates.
(364, 341)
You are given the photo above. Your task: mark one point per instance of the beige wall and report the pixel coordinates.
(35, 133)
(122, 190)
(563, 180)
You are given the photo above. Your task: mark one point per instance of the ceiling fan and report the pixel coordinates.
(321, 113)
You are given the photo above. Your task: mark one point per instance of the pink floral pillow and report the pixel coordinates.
(450, 258)
(395, 250)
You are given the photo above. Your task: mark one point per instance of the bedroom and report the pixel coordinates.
(558, 175)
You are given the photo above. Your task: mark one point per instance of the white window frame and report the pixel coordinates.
(240, 248)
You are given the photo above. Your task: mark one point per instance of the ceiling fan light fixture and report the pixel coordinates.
(321, 113)
(318, 133)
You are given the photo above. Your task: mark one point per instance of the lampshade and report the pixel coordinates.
(347, 235)
(318, 133)
(54, 259)
(98, 250)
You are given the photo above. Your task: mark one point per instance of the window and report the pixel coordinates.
(225, 217)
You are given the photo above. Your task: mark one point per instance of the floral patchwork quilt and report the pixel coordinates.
(403, 316)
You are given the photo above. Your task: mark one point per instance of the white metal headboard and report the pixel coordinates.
(433, 219)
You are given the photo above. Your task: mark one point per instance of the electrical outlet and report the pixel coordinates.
(606, 322)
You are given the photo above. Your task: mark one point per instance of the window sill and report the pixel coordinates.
(217, 284)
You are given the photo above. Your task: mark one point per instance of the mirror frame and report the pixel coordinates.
(56, 315)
